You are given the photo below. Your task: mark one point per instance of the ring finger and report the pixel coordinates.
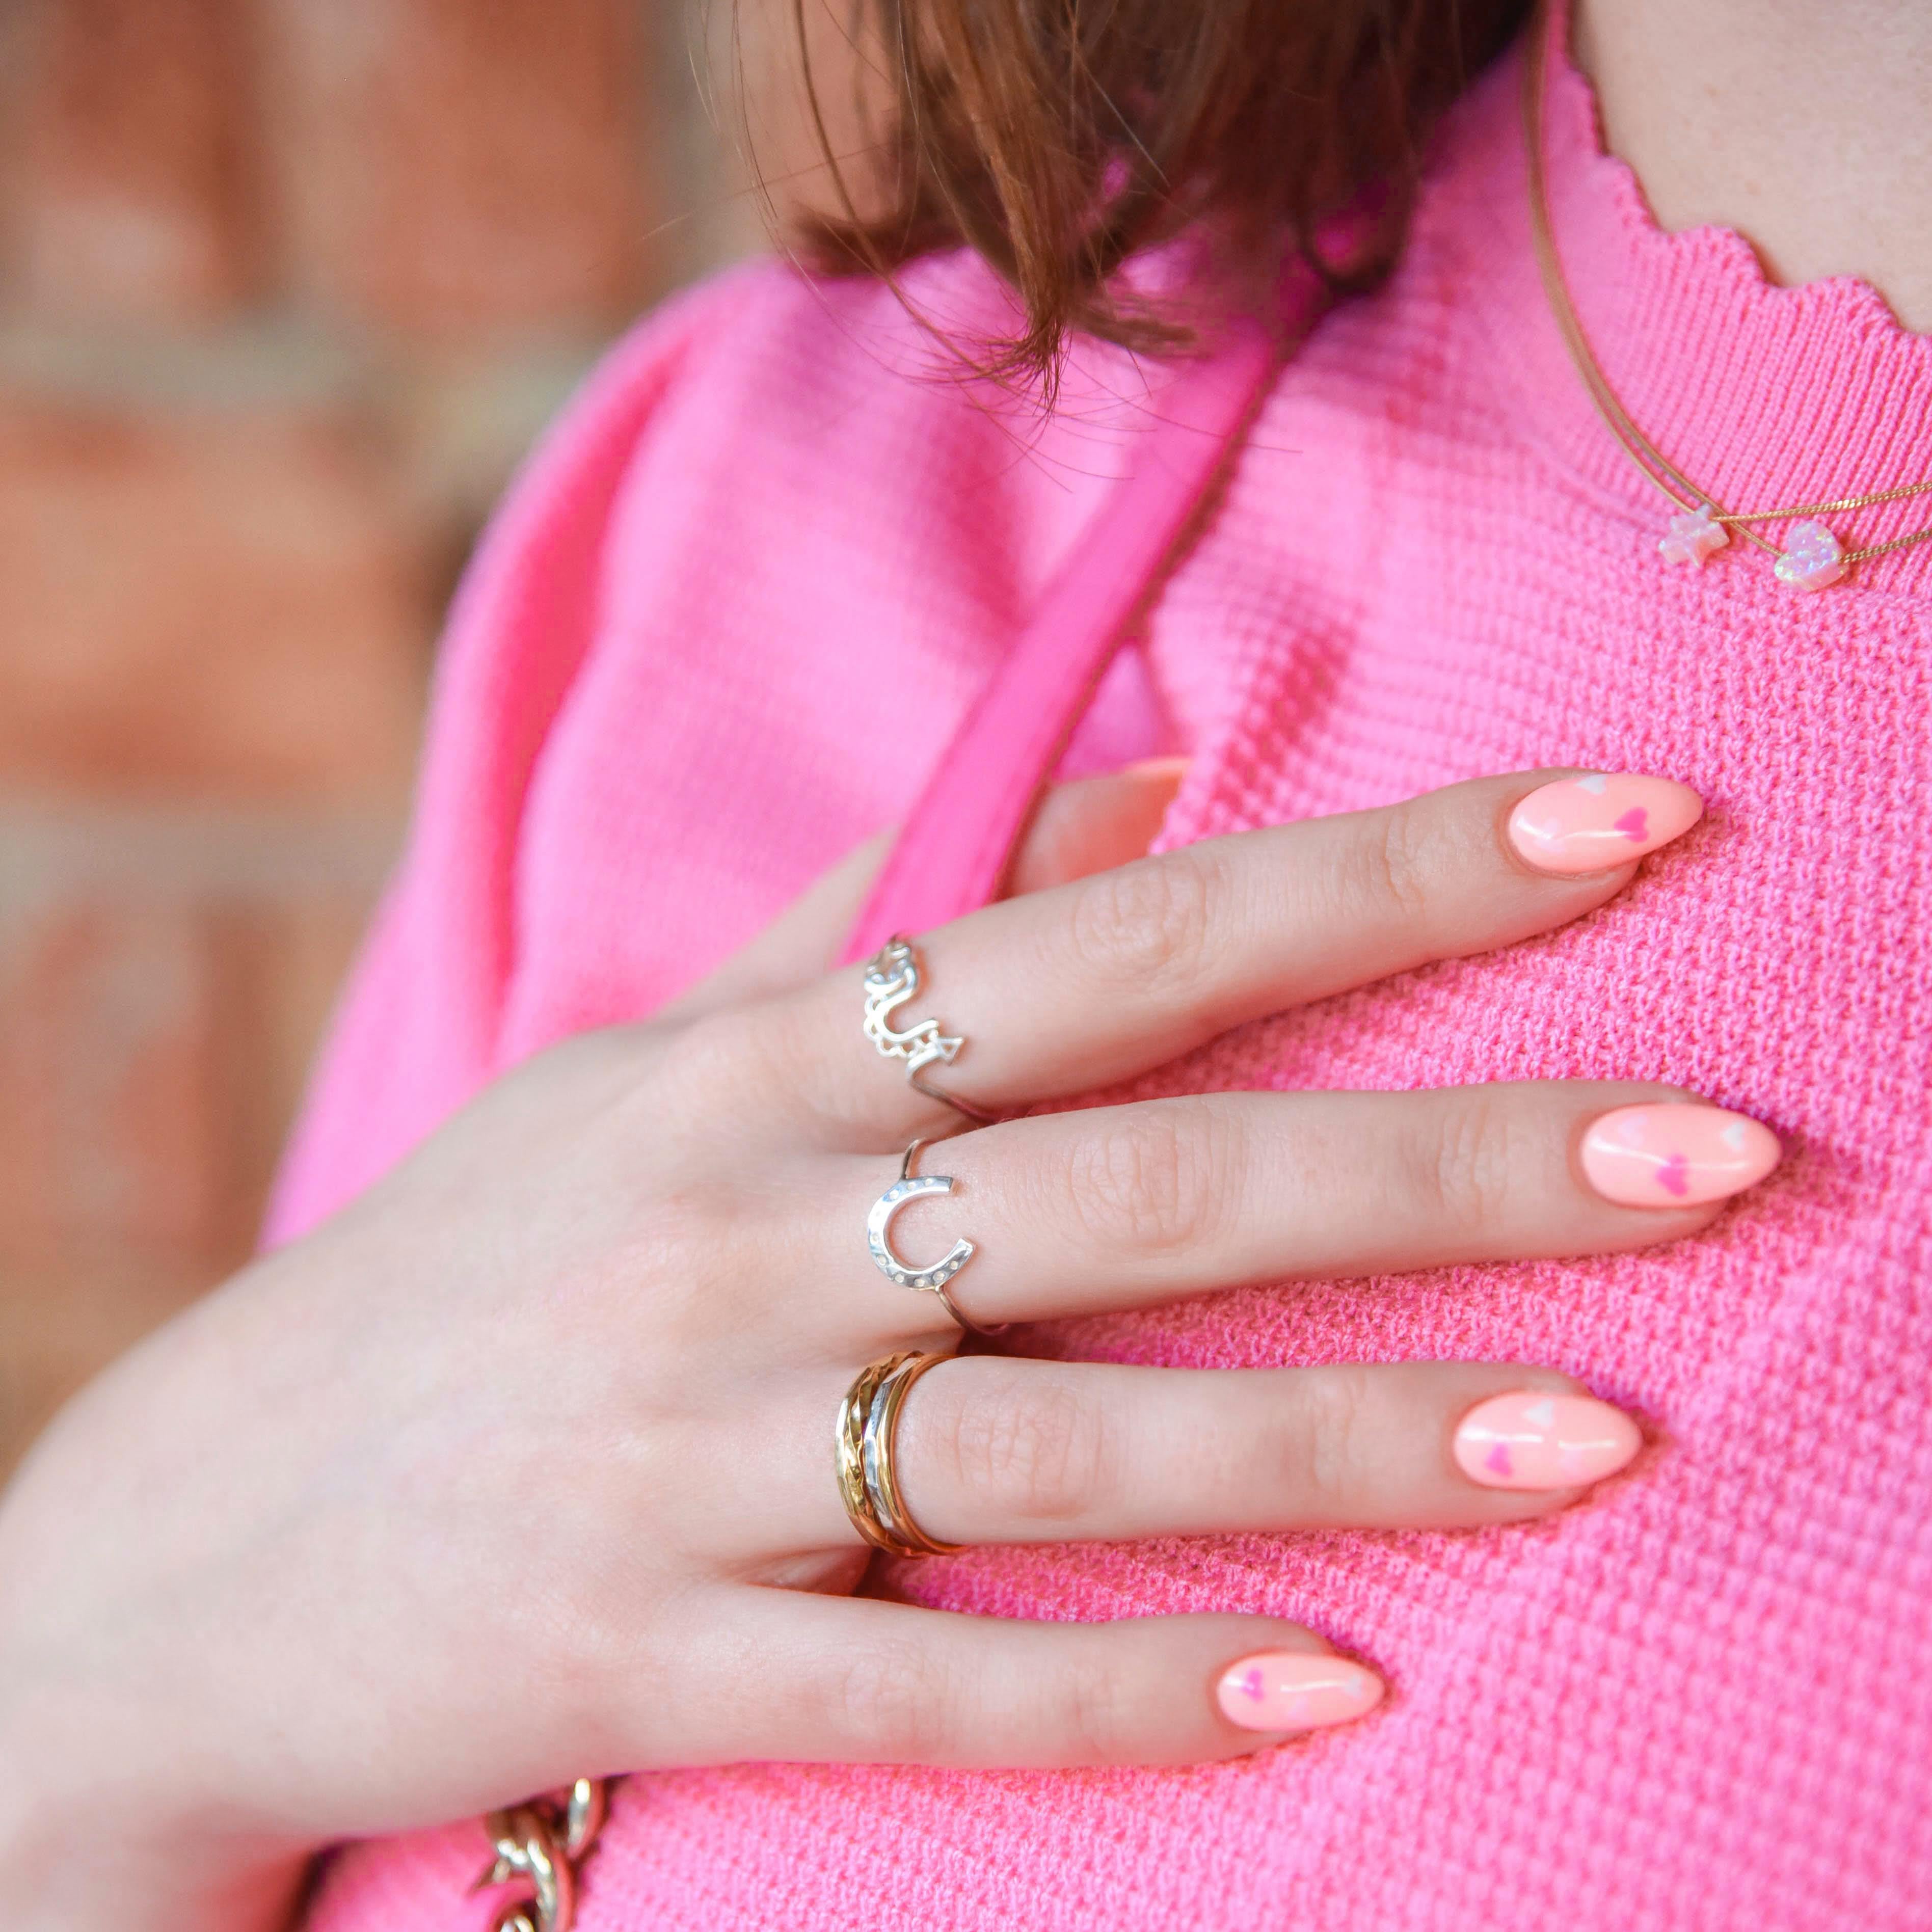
(993, 1450)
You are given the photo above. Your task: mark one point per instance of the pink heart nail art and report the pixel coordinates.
(1694, 1152)
(1528, 1439)
(1292, 1690)
(1601, 820)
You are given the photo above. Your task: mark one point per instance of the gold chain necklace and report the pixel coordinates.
(1812, 556)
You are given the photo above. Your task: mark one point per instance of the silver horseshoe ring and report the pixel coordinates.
(931, 1280)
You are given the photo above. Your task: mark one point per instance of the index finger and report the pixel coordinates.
(1091, 982)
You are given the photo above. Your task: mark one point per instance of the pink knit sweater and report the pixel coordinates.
(1704, 1699)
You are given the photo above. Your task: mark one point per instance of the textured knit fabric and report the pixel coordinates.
(718, 635)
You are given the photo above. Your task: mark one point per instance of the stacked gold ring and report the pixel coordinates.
(869, 1421)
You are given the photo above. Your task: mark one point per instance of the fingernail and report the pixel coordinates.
(1294, 1690)
(1660, 1156)
(1601, 820)
(1171, 769)
(1530, 1439)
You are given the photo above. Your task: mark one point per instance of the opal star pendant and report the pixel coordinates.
(1693, 537)
(1812, 557)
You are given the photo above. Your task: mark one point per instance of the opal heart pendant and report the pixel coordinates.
(1812, 558)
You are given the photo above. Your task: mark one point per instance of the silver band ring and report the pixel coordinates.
(854, 1413)
(931, 1280)
(880, 1438)
(869, 1421)
(893, 977)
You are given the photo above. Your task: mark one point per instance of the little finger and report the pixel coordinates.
(853, 1680)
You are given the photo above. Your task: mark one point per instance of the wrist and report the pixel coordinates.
(98, 1852)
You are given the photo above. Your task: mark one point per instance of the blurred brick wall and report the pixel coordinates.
(285, 287)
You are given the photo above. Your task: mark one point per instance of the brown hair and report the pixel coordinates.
(1061, 139)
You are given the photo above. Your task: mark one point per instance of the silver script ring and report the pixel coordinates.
(892, 979)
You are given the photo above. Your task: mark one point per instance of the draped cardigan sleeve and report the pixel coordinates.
(416, 1031)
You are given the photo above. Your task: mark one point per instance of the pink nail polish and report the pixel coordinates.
(1601, 820)
(1530, 1439)
(1660, 1156)
(1296, 1690)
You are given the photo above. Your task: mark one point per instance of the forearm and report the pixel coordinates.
(115, 1812)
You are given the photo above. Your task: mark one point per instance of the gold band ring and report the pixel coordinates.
(869, 1421)
(852, 1413)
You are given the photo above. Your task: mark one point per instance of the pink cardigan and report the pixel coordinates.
(1705, 1698)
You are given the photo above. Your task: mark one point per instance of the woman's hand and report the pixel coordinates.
(521, 1467)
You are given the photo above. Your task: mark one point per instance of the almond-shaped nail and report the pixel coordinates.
(1600, 821)
(1531, 1439)
(1296, 1690)
(1661, 1155)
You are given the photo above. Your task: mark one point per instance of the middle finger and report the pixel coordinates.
(1108, 1208)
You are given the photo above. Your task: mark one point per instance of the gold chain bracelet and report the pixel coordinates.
(541, 1845)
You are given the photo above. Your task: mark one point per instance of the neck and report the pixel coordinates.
(1806, 128)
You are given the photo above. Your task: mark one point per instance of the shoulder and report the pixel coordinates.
(783, 378)
(749, 458)
(791, 353)
(830, 429)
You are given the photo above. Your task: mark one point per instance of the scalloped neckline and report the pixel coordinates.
(1572, 95)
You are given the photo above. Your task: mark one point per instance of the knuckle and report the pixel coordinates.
(1332, 1443)
(1155, 1178)
(710, 1056)
(1036, 1451)
(1145, 925)
(677, 1257)
(1389, 869)
(1469, 1163)
(1095, 1713)
(892, 1701)
(723, 1067)
(682, 1221)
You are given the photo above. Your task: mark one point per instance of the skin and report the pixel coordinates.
(520, 1465)
(1806, 128)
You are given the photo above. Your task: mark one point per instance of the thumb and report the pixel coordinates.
(1092, 825)
(1085, 826)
